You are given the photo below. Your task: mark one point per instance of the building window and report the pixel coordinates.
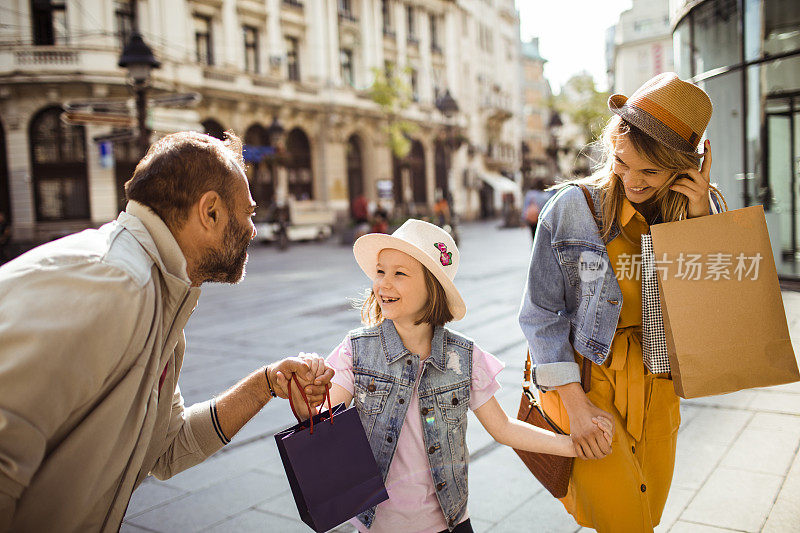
(412, 29)
(49, 18)
(293, 58)
(346, 60)
(58, 157)
(346, 10)
(203, 40)
(386, 7)
(251, 63)
(123, 20)
(414, 79)
(435, 44)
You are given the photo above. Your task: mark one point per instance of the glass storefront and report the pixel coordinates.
(746, 55)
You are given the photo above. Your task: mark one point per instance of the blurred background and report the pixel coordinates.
(356, 114)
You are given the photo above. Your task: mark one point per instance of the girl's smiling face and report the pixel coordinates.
(399, 286)
(640, 178)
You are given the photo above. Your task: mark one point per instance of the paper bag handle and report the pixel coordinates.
(308, 405)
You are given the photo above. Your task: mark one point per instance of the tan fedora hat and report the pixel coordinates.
(670, 110)
(425, 242)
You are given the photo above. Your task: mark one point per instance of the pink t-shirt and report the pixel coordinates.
(412, 505)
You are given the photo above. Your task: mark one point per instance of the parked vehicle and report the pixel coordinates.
(300, 220)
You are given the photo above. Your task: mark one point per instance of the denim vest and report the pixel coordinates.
(384, 373)
(572, 298)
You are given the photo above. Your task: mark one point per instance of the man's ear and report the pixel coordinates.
(209, 210)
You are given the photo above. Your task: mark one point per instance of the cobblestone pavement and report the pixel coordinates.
(737, 467)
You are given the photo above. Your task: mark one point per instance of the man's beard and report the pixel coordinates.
(227, 263)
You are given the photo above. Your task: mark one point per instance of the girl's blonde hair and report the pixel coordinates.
(436, 311)
(671, 205)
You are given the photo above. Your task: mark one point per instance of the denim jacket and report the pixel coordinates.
(572, 299)
(385, 372)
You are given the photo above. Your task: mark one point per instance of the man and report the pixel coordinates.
(92, 343)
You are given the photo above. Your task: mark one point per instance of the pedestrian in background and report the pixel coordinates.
(533, 203)
(651, 173)
(413, 380)
(92, 344)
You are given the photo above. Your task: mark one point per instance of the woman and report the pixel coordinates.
(583, 299)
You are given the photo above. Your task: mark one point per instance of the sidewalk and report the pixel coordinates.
(737, 466)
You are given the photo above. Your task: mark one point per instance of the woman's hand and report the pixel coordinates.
(586, 429)
(695, 185)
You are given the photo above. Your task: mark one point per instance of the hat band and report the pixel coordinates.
(667, 118)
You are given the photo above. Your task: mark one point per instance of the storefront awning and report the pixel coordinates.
(500, 183)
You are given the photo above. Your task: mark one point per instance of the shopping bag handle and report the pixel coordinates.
(308, 404)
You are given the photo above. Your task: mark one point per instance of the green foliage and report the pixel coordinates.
(583, 104)
(393, 94)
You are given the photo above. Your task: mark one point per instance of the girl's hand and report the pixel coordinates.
(607, 427)
(694, 185)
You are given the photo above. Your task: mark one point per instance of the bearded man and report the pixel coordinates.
(92, 343)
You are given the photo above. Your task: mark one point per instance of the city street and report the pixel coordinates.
(737, 468)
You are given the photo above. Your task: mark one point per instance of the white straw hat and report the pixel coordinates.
(425, 242)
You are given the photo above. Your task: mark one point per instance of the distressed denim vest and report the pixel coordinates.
(384, 373)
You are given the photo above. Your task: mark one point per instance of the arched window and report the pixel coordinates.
(301, 181)
(213, 128)
(5, 196)
(126, 156)
(409, 177)
(58, 157)
(355, 168)
(441, 170)
(416, 161)
(259, 168)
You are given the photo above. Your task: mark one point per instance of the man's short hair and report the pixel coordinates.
(179, 168)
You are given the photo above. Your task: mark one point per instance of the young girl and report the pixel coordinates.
(413, 380)
(570, 311)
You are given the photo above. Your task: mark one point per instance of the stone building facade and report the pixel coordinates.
(308, 63)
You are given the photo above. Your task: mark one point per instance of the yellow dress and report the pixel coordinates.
(626, 490)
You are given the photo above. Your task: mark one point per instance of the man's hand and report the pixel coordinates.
(311, 371)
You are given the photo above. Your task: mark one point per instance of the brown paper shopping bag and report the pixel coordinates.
(723, 313)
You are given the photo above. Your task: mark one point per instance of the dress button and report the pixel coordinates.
(408, 361)
(613, 302)
(432, 449)
(633, 449)
(389, 438)
(424, 411)
(455, 401)
(451, 522)
(371, 387)
(402, 400)
(440, 486)
(643, 487)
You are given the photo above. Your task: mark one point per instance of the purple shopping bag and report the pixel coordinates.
(330, 467)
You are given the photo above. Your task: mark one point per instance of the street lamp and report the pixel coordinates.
(448, 107)
(138, 58)
(275, 132)
(554, 126)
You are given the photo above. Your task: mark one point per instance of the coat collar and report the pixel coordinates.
(156, 238)
(394, 349)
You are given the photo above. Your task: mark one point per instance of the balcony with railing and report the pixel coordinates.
(498, 107)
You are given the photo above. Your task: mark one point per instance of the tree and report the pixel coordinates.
(585, 106)
(393, 95)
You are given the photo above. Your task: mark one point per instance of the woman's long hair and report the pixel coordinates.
(670, 205)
